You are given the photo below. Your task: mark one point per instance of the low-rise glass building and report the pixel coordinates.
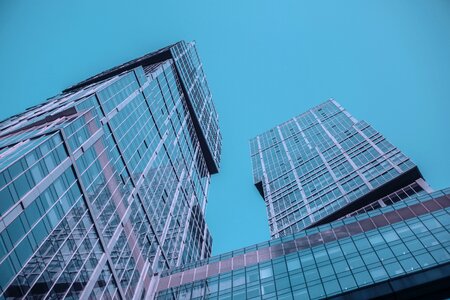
(399, 251)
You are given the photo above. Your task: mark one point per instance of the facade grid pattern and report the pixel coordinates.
(105, 185)
(318, 163)
(406, 238)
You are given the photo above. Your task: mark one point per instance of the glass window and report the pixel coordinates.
(32, 213)
(326, 271)
(212, 285)
(362, 244)
(23, 251)
(267, 287)
(417, 227)
(334, 252)
(37, 173)
(444, 219)
(363, 278)
(7, 271)
(404, 231)
(355, 262)
(311, 274)
(320, 256)
(370, 258)
(301, 294)
(394, 269)
(21, 185)
(282, 283)
(348, 248)
(341, 266)
(253, 291)
(331, 287)
(376, 240)
(293, 264)
(316, 291)
(252, 276)
(286, 296)
(265, 272)
(15, 169)
(442, 236)
(385, 253)
(297, 279)
(238, 279)
(347, 282)
(425, 259)
(378, 273)
(440, 255)
(238, 294)
(399, 249)
(279, 268)
(6, 200)
(306, 259)
(16, 230)
(390, 236)
(409, 264)
(414, 245)
(428, 241)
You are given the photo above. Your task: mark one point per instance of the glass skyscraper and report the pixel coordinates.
(350, 215)
(105, 185)
(103, 191)
(323, 165)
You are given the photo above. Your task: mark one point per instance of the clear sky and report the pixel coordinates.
(387, 62)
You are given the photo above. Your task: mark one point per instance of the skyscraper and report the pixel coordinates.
(323, 165)
(351, 218)
(105, 185)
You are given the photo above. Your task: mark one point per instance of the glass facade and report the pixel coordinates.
(351, 218)
(103, 193)
(323, 165)
(105, 185)
(401, 250)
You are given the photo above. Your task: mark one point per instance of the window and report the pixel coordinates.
(267, 287)
(265, 272)
(394, 269)
(347, 282)
(331, 287)
(378, 273)
(293, 264)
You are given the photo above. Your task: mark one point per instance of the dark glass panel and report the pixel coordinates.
(392, 217)
(380, 221)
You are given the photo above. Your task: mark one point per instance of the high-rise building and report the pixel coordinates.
(323, 165)
(351, 217)
(105, 185)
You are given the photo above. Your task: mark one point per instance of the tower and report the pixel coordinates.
(323, 165)
(105, 185)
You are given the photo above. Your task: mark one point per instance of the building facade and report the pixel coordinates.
(350, 215)
(399, 251)
(105, 185)
(103, 191)
(323, 165)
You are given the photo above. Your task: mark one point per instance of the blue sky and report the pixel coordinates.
(387, 62)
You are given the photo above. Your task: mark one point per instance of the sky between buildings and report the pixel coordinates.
(387, 62)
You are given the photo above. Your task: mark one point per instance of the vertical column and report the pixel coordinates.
(267, 195)
(93, 217)
(297, 180)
